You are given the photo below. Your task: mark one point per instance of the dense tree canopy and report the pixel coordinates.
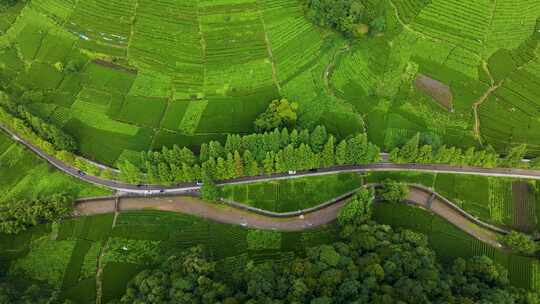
(17, 215)
(279, 114)
(393, 191)
(52, 134)
(255, 154)
(352, 17)
(520, 242)
(20, 290)
(371, 263)
(358, 209)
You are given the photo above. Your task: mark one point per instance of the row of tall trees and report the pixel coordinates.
(371, 263)
(250, 155)
(17, 215)
(52, 134)
(414, 151)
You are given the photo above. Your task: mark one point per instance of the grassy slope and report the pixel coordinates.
(23, 174)
(293, 194)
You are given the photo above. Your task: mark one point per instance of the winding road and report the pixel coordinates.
(134, 197)
(247, 216)
(382, 166)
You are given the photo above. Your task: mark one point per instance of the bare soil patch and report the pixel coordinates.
(436, 89)
(524, 206)
(115, 66)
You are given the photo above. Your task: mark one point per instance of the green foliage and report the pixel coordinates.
(121, 250)
(187, 278)
(129, 172)
(293, 194)
(17, 215)
(417, 151)
(358, 209)
(515, 156)
(46, 261)
(279, 114)
(57, 137)
(210, 191)
(263, 239)
(520, 242)
(348, 16)
(369, 263)
(250, 155)
(33, 293)
(393, 191)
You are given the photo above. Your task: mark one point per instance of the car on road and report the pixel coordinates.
(292, 172)
(199, 183)
(81, 173)
(162, 191)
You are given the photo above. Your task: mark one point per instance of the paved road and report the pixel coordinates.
(382, 166)
(419, 195)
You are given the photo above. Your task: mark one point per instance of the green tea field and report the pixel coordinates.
(135, 75)
(450, 242)
(23, 174)
(294, 194)
(75, 249)
(507, 202)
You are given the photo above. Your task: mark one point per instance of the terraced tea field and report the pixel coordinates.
(507, 202)
(134, 75)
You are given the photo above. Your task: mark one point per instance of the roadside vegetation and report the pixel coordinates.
(354, 268)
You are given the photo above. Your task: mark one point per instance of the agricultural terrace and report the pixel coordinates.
(511, 203)
(449, 242)
(97, 256)
(123, 76)
(293, 194)
(25, 175)
(74, 249)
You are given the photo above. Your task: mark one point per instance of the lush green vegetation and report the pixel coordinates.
(116, 97)
(358, 209)
(512, 203)
(393, 191)
(520, 242)
(256, 154)
(24, 176)
(59, 139)
(450, 242)
(293, 194)
(17, 215)
(370, 263)
(279, 114)
(353, 17)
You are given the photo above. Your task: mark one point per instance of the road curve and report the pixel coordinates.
(382, 166)
(420, 196)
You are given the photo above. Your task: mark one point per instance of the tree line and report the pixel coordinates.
(414, 151)
(18, 214)
(23, 119)
(249, 155)
(370, 263)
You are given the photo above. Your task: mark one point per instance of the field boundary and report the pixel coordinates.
(322, 213)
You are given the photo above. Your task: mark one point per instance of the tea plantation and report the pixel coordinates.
(135, 75)
(189, 93)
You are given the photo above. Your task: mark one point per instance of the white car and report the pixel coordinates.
(292, 172)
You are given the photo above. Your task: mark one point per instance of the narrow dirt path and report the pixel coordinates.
(330, 69)
(104, 247)
(420, 196)
(494, 86)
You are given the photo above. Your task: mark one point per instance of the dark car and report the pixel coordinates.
(81, 173)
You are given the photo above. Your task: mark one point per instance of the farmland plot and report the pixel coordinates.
(103, 26)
